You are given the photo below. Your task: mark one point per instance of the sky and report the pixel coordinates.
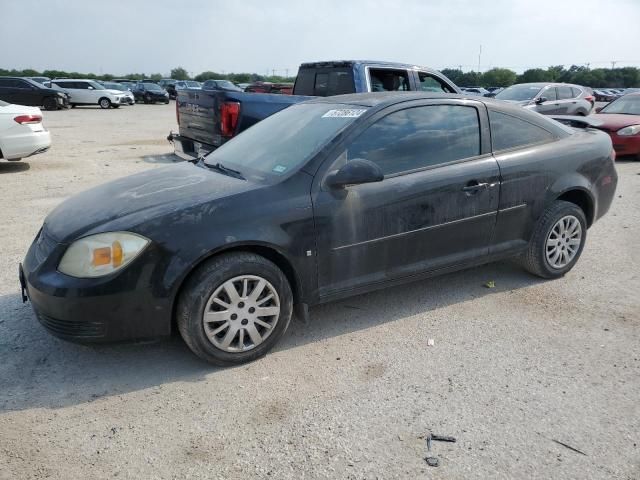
(153, 36)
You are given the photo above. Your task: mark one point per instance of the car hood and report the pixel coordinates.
(116, 92)
(127, 202)
(616, 121)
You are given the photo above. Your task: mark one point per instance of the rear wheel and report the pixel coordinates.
(50, 103)
(104, 103)
(234, 308)
(557, 241)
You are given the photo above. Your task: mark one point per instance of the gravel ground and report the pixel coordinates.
(514, 371)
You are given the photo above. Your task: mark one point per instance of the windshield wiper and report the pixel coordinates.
(225, 170)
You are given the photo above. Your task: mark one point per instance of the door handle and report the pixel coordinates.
(473, 187)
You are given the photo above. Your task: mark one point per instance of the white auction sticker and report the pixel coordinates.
(344, 113)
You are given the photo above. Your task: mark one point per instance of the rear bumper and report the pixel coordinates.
(25, 144)
(188, 149)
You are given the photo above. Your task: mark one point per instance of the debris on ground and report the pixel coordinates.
(569, 447)
(431, 342)
(432, 437)
(490, 284)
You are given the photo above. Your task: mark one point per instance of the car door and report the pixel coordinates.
(567, 99)
(7, 90)
(550, 106)
(26, 93)
(436, 206)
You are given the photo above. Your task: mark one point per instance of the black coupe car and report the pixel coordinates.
(323, 200)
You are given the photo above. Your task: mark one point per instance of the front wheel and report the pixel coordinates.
(104, 103)
(50, 103)
(234, 308)
(557, 241)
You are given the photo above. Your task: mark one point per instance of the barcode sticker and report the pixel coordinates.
(344, 113)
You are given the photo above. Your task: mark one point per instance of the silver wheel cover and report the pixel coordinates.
(563, 242)
(241, 313)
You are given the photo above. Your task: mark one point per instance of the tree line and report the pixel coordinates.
(624, 77)
(177, 73)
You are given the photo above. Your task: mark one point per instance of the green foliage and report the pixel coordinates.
(535, 75)
(179, 73)
(499, 77)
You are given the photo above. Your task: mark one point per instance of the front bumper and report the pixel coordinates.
(122, 306)
(625, 145)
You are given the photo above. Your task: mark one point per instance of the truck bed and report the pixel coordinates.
(198, 114)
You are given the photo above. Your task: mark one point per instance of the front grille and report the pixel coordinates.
(44, 246)
(72, 329)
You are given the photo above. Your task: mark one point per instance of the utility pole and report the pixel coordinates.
(479, 58)
(613, 64)
(460, 67)
(273, 72)
(286, 72)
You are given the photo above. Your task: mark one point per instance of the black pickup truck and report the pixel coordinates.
(208, 118)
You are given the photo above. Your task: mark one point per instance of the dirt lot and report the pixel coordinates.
(514, 371)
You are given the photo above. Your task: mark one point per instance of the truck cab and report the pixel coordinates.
(209, 118)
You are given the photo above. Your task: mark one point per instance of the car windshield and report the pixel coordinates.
(283, 142)
(519, 93)
(114, 86)
(192, 84)
(629, 105)
(96, 85)
(153, 87)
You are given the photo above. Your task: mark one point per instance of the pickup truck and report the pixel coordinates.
(208, 118)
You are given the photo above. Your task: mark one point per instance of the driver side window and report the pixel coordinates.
(550, 94)
(419, 137)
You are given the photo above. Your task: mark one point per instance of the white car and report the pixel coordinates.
(90, 92)
(21, 132)
(120, 89)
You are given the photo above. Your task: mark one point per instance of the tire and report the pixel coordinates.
(147, 99)
(49, 103)
(536, 259)
(73, 105)
(115, 106)
(104, 103)
(207, 282)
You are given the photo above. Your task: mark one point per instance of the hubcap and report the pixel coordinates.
(563, 242)
(241, 313)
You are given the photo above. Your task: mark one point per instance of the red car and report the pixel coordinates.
(621, 120)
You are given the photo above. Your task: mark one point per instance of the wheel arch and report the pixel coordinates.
(268, 251)
(582, 198)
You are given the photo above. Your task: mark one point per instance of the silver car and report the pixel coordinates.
(550, 98)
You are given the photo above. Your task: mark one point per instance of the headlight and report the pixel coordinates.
(101, 254)
(632, 130)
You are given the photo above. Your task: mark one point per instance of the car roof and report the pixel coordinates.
(380, 100)
(368, 63)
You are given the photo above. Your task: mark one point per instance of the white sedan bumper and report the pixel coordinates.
(22, 141)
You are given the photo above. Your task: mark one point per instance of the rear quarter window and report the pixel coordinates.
(509, 131)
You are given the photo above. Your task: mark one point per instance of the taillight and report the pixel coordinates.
(590, 98)
(613, 155)
(27, 119)
(229, 114)
(177, 113)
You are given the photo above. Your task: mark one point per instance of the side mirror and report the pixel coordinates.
(89, 87)
(355, 172)
(598, 109)
(540, 100)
